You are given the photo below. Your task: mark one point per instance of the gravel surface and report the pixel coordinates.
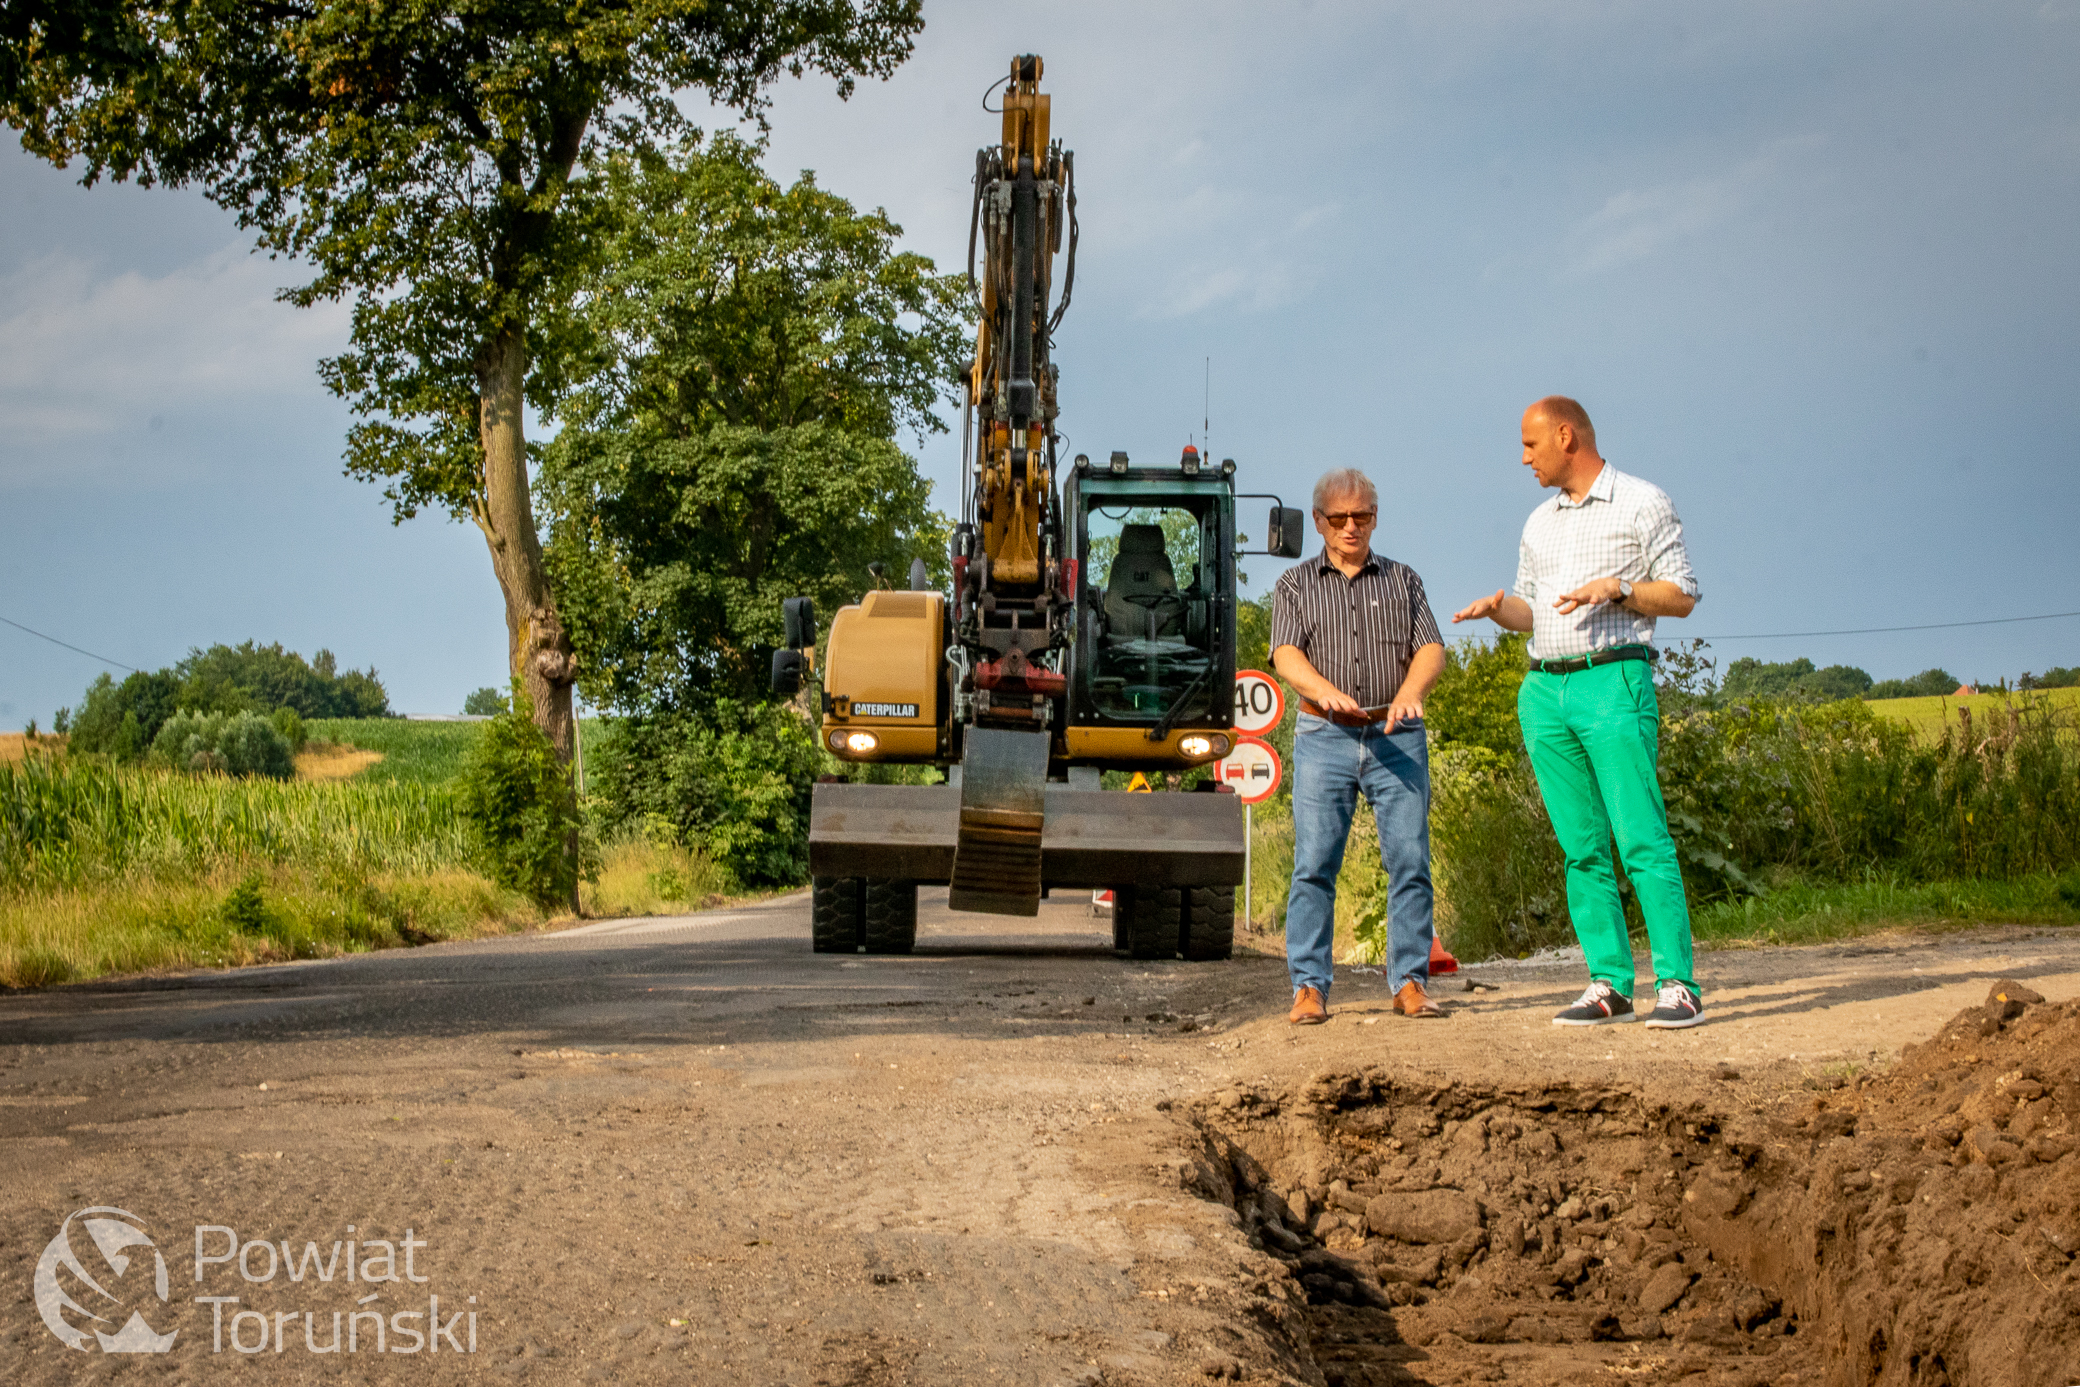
(690, 1150)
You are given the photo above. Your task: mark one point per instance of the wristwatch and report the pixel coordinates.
(1624, 591)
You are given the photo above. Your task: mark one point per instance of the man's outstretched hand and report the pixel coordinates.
(1474, 611)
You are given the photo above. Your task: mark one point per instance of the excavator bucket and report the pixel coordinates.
(996, 859)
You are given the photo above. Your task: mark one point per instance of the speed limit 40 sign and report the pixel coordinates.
(1260, 704)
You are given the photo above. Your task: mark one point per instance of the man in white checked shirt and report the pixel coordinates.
(1598, 563)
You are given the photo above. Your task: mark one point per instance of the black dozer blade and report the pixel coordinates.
(996, 859)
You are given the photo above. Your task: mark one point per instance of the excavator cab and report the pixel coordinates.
(1156, 643)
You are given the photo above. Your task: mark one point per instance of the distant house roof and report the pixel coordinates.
(1964, 691)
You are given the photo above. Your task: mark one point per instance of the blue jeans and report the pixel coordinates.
(1330, 765)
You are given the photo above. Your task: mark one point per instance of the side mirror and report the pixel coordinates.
(1288, 531)
(800, 615)
(787, 672)
(920, 576)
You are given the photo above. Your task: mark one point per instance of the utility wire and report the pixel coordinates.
(69, 646)
(1875, 630)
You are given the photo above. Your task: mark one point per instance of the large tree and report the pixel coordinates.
(745, 356)
(418, 155)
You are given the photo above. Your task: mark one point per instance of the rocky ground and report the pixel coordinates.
(692, 1151)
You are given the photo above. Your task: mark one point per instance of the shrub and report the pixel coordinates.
(484, 703)
(287, 722)
(517, 797)
(735, 780)
(241, 745)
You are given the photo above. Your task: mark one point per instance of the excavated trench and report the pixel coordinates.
(1914, 1227)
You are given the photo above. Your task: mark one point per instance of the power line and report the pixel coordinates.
(69, 646)
(1877, 630)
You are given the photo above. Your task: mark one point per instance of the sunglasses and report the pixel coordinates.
(1338, 519)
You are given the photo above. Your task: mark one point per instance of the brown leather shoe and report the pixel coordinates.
(1413, 1001)
(1308, 1008)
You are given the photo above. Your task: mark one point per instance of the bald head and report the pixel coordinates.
(1560, 444)
(1559, 409)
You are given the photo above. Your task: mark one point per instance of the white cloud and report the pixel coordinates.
(1638, 224)
(86, 357)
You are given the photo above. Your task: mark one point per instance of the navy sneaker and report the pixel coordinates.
(1599, 1006)
(1676, 1007)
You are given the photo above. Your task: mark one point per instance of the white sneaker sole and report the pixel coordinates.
(1598, 1021)
(1682, 1025)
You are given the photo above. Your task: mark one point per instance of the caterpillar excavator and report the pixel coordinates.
(1090, 626)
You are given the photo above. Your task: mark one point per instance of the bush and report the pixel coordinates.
(242, 745)
(517, 797)
(735, 781)
(484, 703)
(290, 726)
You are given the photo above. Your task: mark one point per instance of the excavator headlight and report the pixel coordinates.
(1199, 746)
(1119, 462)
(858, 743)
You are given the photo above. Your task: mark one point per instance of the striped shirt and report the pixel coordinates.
(1359, 633)
(1623, 528)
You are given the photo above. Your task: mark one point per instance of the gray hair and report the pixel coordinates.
(1344, 481)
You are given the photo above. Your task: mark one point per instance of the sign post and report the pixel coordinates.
(1260, 706)
(1253, 771)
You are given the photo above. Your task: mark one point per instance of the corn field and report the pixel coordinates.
(67, 822)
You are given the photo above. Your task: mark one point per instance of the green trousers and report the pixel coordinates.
(1594, 737)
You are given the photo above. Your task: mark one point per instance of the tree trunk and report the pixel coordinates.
(537, 647)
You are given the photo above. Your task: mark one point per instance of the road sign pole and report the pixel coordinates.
(1249, 847)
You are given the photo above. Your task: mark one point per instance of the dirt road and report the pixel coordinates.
(689, 1150)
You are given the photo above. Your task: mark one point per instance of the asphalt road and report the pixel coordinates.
(690, 1150)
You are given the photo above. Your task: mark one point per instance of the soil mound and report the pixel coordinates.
(1916, 1227)
(1928, 1217)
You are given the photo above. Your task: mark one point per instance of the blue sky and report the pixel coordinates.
(1811, 267)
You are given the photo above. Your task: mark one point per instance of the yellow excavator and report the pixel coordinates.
(1090, 627)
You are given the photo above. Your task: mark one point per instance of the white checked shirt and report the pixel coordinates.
(1623, 528)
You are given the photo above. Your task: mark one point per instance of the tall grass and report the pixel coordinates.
(1779, 809)
(68, 822)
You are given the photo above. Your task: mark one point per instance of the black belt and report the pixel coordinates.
(1595, 657)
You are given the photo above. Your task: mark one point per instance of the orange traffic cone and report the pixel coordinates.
(1440, 960)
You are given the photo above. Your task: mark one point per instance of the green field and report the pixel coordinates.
(414, 752)
(1928, 715)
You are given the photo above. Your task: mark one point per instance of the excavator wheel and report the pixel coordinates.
(1151, 915)
(837, 914)
(1207, 931)
(891, 924)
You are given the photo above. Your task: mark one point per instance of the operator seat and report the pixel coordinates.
(1141, 598)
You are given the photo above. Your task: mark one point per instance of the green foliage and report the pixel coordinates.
(290, 726)
(1923, 685)
(244, 907)
(483, 703)
(751, 351)
(242, 744)
(261, 678)
(2057, 677)
(735, 778)
(1795, 679)
(1253, 635)
(1474, 704)
(516, 796)
(122, 720)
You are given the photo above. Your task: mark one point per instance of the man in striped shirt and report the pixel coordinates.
(1352, 632)
(1598, 563)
